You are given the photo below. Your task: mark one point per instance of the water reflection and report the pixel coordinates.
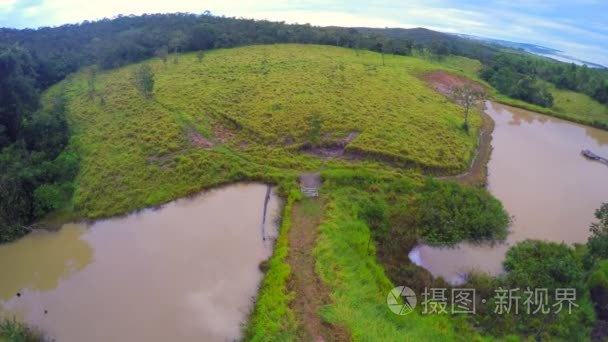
(39, 261)
(537, 171)
(185, 272)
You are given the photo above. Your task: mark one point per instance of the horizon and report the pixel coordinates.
(581, 35)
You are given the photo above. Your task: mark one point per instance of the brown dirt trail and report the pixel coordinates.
(311, 293)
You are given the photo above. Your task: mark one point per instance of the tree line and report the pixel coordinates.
(35, 170)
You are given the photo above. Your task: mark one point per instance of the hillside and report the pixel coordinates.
(457, 45)
(247, 111)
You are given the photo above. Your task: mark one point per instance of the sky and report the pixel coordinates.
(579, 27)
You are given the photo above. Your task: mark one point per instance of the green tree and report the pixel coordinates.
(18, 92)
(143, 79)
(162, 53)
(468, 97)
(91, 80)
(439, 49)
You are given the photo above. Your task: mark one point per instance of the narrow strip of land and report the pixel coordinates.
(311, 293)
(477, 175)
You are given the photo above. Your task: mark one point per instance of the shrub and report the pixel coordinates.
(12, 330)
(597, 244)
(447, 213)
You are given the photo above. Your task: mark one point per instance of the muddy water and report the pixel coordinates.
(185, 272)
(538, 173)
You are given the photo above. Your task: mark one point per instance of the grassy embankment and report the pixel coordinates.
(252, 105)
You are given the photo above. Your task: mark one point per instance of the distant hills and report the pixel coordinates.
(532, 48)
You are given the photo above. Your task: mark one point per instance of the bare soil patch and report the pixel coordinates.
(444, 82)
(311, 293)
(197, 140)
(222, 134)
(477, 175)
(332, 149)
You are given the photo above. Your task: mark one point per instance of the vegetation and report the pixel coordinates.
(468, 97)
(35, 170)
(535, 268)
(346, 261)
(234, 121)
(143, 80)
(32, 60)
(12, 330)
(272, 318)
(597, 245)
(104, 142)
(575, 93)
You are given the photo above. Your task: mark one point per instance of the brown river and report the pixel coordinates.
(544, 182)
(188, 271)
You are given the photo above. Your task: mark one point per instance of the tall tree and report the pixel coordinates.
(143, 79)
(467, 96)
(18, 92)
(162, 53)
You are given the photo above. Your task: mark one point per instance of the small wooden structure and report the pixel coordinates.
(309, 184)
(590, 155)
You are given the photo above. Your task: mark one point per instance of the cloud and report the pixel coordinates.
(579, 30)
(7, 5)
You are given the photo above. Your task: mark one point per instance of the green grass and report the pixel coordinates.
(272, 318)
(137, 153)
(466, 66)
(359, 284)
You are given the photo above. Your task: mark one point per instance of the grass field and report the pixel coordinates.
(253, 104)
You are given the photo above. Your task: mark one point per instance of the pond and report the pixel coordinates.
(544, 182)
(187, 271)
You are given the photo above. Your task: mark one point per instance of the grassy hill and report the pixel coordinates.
(244, 113)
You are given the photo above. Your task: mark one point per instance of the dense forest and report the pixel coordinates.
(36, 171)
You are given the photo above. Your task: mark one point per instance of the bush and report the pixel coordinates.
(540, 264)
(48, 197)
(12, 330)
(447, 213)
(597, 244)
(598, 285)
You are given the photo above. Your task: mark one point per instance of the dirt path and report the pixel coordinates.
(311, 293)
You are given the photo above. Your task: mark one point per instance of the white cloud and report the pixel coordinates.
(7, 5)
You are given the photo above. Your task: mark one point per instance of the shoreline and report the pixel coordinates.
(477, 174)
